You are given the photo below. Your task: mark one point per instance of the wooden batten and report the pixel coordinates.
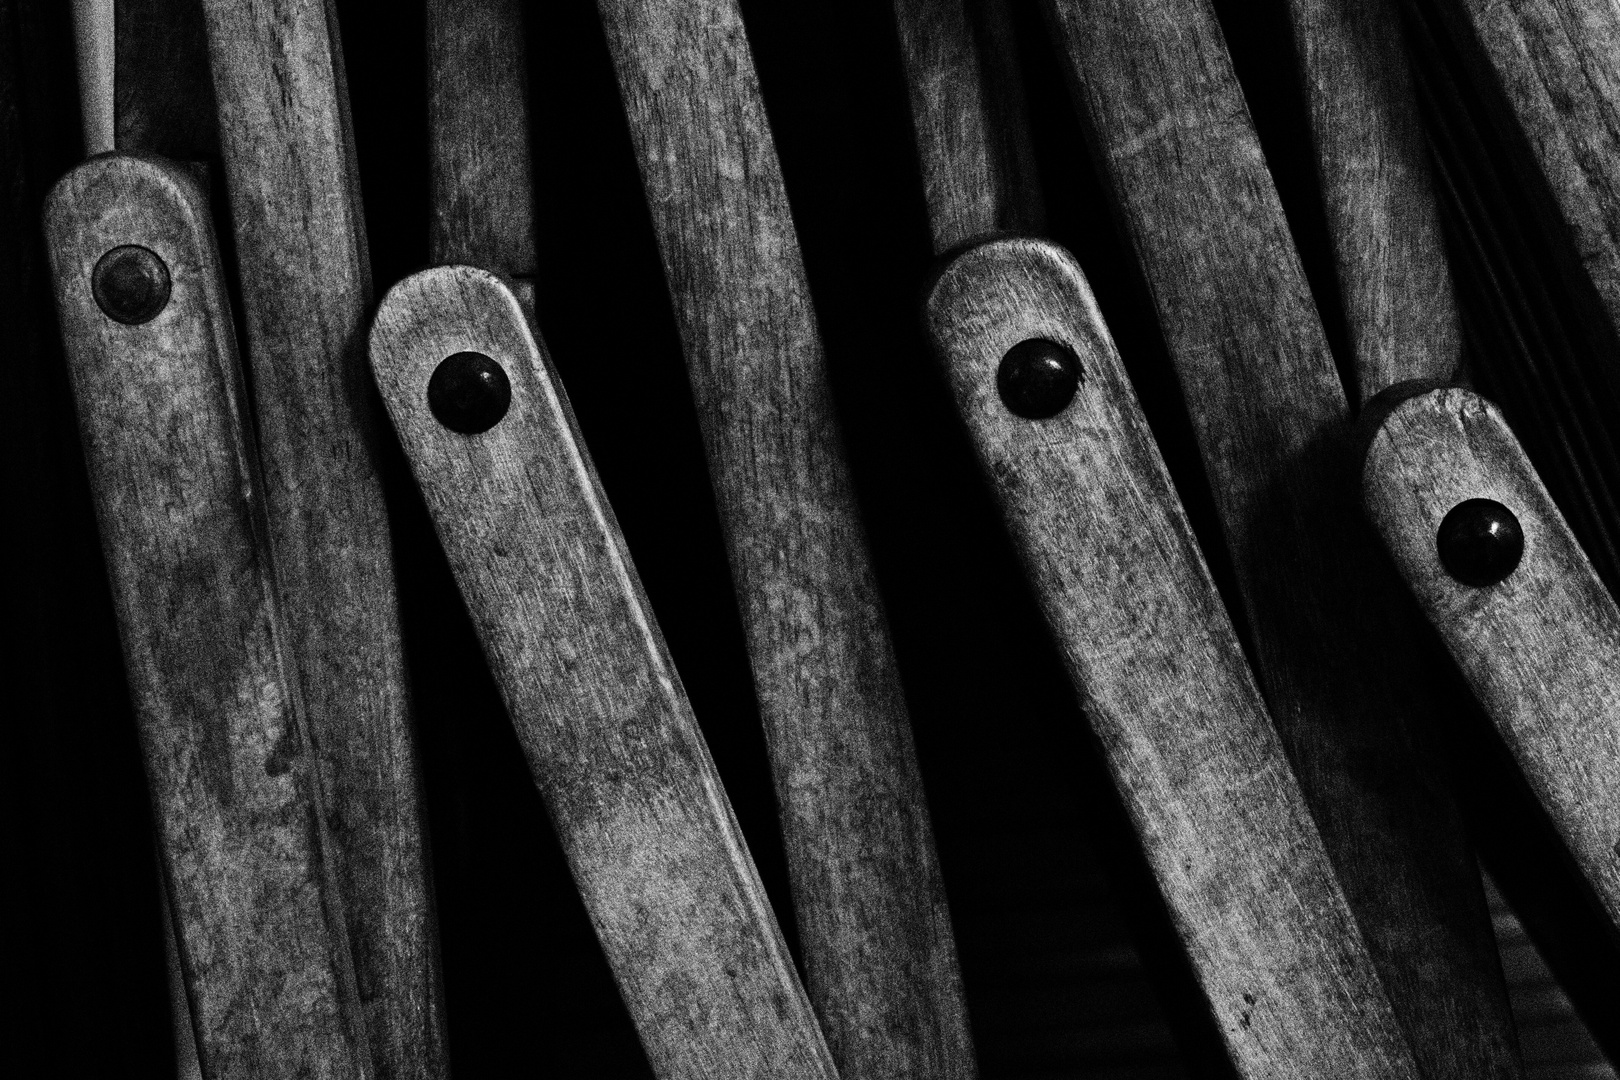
(305, 285)
(595, 699)
(1339, 657)
(1161, 677)
(967, 116)
(1372, 163)
(1541, 647)
(479, 177)
(870, 904)
(236, 784)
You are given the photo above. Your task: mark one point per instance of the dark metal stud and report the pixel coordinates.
(1038, 378)
(469, 393)
(130, 284)
(1480, 542)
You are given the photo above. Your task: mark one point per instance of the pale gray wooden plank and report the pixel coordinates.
(1159, 673)
(305, 285)
(597, 704)
(870, 905)
(967, 113)
(1540, 649)
(1339, 657)
(165, 100)
(1551, 70)
(235, 785)
(481, 187)
(1372, 162)
(93, 33)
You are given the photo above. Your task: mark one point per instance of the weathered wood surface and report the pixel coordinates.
(163, 93)
(967, 109)
(1552, 70)
(1522, 141)
(236, 788)
(305, 285)
(1339, 655)
(93, 32)
(163, 103)
(1159, 672)
(478, 137)
(1540, 649)
(593, 694)
(867, 893)
(1372, 162)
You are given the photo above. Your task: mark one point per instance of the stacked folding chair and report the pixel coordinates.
(1058, 539)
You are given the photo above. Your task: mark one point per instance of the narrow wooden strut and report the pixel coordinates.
(1550, 72)
(597, 704)
(305, 282)
(236, 787)
(480, 182)
(163, 93)
(879, 955)
(1540, 649)
(967, 113)
(1339, 656)
(1160, 675)
(1372, 162)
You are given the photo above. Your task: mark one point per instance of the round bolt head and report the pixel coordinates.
(1038, 378)
(469, 393)
(130, 284)
(1480, 542)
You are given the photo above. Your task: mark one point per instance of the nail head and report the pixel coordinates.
(131, 284)
(1038, 378)
(1480, 542)
(469, 393)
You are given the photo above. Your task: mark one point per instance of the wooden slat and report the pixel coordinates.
(1339, 659)
(1550, 70)
(93, 29)
(1533, 348)
(1543, 345)
(236, 788)
(1541, 649)
(967, 109)
(867, 893)
(478, 137)
(597, 705)
(305, 284)
(1557, 1046)
(1373, 166)
(1043, 1002)
(165, 101)
(79, 850)
(1162, 679)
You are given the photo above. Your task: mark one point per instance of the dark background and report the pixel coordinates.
(1069, 964)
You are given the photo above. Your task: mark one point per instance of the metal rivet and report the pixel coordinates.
(130, 284)
(469, 393)
(1480, 542)
(1038, 378)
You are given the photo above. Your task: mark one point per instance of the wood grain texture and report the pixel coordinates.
(1372, 162)
(93, 33)
(593, 694)
(1541, 649)
(305, 285)
(879, 956)
(478, 137)
(1162, 679)
(967, 112)
(165, 100)
(1339, 655)
(235, 786)
(1551, 70)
